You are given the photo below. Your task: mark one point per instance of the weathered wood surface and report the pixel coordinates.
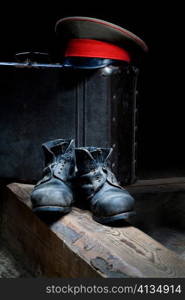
(76, 246)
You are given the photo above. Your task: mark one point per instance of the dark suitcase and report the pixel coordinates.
(44, 102)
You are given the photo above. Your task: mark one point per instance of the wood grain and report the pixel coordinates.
(76, 246)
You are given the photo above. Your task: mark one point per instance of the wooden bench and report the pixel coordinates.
(78, 247)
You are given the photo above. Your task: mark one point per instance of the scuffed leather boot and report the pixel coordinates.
(97, 185)
(53, 195)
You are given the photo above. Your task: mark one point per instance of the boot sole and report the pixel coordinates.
(115, 218)
(51, 211)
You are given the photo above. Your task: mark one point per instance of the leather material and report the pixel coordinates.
(98, 186)
(54, 189)
(52, 193)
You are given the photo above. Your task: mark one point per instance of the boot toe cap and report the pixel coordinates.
(111, 204)
(50, 197)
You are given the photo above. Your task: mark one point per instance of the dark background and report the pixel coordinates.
(161, 151)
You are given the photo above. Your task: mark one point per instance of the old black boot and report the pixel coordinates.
(53, 195)
(97, 185)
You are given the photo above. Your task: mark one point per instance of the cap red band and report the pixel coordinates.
(94, 48)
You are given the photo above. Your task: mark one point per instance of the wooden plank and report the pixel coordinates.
(42, 252)
(157, 181)
(159, 185)
(76, 246)
(159, 202)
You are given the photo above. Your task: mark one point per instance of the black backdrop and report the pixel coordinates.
(30, 26)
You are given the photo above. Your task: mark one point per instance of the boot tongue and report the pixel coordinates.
(54, 149)
(84, 160)
(90, 158)
(60, 148)
(101, 155)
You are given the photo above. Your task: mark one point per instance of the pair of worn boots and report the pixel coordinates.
(80, 173)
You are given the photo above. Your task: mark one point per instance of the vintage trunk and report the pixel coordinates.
(45, 102)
